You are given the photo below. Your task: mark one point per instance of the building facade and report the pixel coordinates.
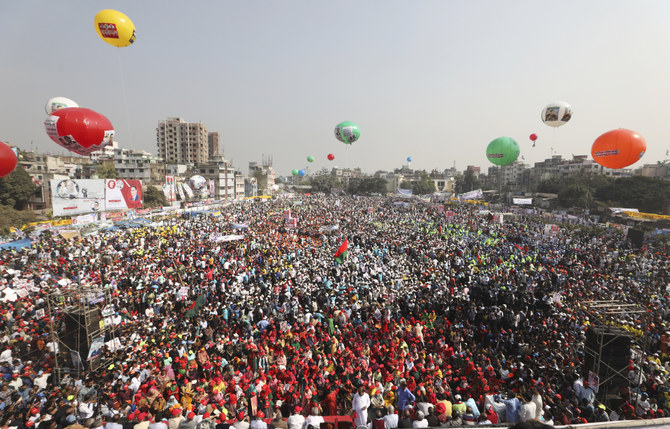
(223, 176)
(214, 144)
(182, 142)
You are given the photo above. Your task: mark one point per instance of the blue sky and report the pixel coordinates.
(434, 80)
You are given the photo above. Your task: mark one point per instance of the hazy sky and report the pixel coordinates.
(434, 80)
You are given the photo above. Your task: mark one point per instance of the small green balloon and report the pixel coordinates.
(503, 151)
(294, 172)
(347, 132)
(310, 158)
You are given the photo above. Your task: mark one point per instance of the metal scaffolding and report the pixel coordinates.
(608, 320)
(77, 315)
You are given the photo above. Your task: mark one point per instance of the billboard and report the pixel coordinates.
(70, 197)
(472, 195)
(123, 194)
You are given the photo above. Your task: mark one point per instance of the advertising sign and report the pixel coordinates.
(123, 194)
(70, 197)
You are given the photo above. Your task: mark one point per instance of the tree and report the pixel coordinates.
(425, 185)
(470, 181)
(17, 188)
(154, 197)
(9, 217)
(576, 195)
(367, 186)
(648, 194)
(106, 171)
(550, 186)
(324, 183)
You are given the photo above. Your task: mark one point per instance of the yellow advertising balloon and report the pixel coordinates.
(115, 28)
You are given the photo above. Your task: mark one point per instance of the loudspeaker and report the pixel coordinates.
(636, 237)
(75, 321)
(614, 358)
(76, 331)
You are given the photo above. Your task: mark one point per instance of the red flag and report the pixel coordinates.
(341, 253)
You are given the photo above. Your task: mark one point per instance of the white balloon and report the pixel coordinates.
(59, 103)
(197, 182)
(556, 114)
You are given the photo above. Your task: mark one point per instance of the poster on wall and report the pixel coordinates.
(71, 197)
(123, 194)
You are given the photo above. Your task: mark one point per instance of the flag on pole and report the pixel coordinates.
(341, 253)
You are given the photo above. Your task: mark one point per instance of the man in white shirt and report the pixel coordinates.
(420, 422)
(314, 419)
(86, 408)
(296, 420)
(527, 409)
(391, 418)
(6, 355)
(360, 404)
(258, 422)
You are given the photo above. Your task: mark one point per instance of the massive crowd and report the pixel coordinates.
(431, 320)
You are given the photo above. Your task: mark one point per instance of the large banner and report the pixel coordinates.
(123, 194)
(522, 201)
(180, 188)
(188, 190)
(71, 197)
(472, 195)
(168, 189)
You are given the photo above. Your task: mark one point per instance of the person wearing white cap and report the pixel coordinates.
(420, 422)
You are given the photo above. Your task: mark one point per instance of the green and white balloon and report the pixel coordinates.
(347, 132)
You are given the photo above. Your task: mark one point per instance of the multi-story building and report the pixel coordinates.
(557, 168)
(443, 182)
(106, 152)
(223, 176)
(138, 165)
(182, 142)
(264, 175)
(660, 170)
(239, 184)
(214, 144)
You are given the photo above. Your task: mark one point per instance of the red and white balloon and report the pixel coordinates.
(8, 160)
(79, 130)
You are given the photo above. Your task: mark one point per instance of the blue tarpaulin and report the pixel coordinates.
(18, 244)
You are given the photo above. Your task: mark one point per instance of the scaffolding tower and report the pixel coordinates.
(606, 343)
(80, 319)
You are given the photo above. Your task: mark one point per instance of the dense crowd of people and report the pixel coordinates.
(435, 318)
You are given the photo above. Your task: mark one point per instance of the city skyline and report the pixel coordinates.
(436, 81)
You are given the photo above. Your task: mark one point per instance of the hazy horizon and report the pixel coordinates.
(434, 80)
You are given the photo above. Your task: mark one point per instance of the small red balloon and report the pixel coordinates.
(533, 137)
(80, 130)
(331, 157)
(8, 160)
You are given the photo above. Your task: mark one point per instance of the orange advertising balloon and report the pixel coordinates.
(618, 148)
